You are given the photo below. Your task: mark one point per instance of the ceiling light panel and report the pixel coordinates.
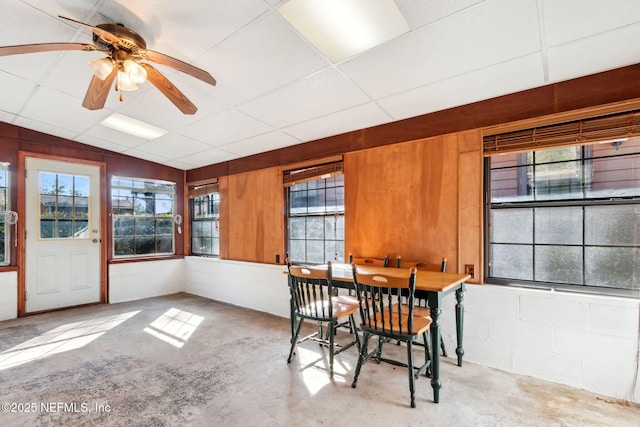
(134, 127)
(343, 28)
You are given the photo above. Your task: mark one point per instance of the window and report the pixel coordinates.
(4, 209)
(316, 214)
(64, 206)
(567, 217)
(142, 217)
(205, 220)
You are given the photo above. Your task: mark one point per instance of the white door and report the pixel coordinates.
(62, 234)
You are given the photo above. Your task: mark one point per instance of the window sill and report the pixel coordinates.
(144, 259)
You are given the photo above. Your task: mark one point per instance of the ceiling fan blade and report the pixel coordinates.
(169, 90)
(98, 91)
(44, 47)
(106, 35)
(176, 64)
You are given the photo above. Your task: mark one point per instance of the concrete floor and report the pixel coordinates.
(183, 360)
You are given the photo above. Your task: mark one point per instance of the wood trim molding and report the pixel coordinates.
(21, 253)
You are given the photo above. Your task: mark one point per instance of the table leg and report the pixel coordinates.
(436, 384)
(459, 322)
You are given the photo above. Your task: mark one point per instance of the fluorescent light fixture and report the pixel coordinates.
(133, 127)
(343, 28)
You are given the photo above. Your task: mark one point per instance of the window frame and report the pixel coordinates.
(328, 172)
(585, 158)
(6, 228)
(116, 216)
(213, 220)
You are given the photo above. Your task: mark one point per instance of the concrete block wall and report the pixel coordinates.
(261, 287)
(136, 280)
(585, 341)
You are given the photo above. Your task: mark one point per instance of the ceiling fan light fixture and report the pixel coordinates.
(136, 73)
(101, 67)
(125, 82)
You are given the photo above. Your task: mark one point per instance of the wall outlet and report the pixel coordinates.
(470, 269)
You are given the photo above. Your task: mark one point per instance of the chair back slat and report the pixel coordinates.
(381, 297)
(311, 291)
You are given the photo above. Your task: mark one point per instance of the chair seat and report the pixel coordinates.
(339, 311)
(346, 299)
(420, 324)
(417, 311)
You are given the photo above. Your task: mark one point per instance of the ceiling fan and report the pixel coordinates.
(125, 48)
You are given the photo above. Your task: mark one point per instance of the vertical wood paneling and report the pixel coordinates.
(255, 219)
(402, 200)
(470, 202)
(223, 187)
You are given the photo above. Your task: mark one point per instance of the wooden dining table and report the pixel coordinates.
(436, 285)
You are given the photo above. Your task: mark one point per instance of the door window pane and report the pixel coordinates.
(64, 206)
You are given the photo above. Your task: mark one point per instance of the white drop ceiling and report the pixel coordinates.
(275, 89)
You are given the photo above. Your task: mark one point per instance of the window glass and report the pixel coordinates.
(568, 216)
(142, 217)
(316, 221)
(64, 206)
(205, 224)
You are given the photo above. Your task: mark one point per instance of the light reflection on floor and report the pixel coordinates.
(67, 337)
(314, 368)
(174, 326)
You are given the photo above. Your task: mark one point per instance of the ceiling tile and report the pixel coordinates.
(330, 90)
(575, 59)
(594, 16)
(176, 29)
(44, 127)
(173, 146)
(208, 157)
(225, 127)
(264, 56)
(15, 92)
(99, 132)
(442, 50)
(512, 76)
(423, 12)
(61, 110)
(355, 118)
(152, 157)
(261, 143)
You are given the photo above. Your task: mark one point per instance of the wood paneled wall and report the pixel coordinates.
(420, 200)
(254, 211)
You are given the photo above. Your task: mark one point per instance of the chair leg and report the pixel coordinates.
(444, 350)
(354, 330)
(427, 353)
(330, 330)
(412, 378)
(361, 356)
(294, 341)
